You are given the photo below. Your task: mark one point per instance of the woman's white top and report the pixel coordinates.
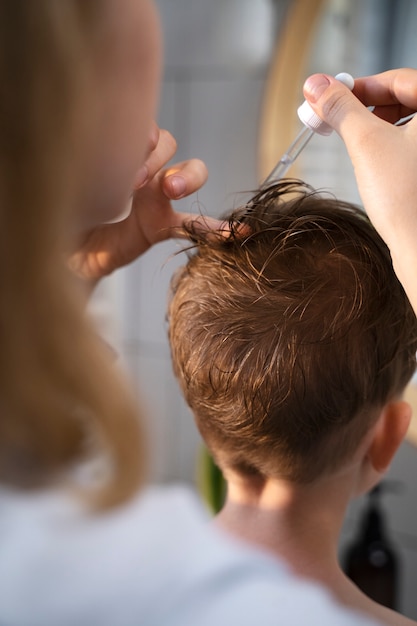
(156, 561)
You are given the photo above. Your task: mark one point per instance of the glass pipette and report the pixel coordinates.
(289, 157)
(312, 124)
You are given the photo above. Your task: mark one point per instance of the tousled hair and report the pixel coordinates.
(61, 400)
(290, 334)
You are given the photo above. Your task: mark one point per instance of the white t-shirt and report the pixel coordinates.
(157, 561)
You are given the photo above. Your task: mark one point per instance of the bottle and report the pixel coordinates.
(370, 561)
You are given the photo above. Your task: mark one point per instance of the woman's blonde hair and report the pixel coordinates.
(61, 400)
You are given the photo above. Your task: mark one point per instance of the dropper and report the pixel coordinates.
(312, 124)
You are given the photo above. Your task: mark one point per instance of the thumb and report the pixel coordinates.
(335, 104)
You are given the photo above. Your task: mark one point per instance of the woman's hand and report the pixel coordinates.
(152, 218)
(384, 156)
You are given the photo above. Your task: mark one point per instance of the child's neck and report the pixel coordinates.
(300, 524)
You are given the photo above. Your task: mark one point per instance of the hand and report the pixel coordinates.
(152, 218)
(384, 156)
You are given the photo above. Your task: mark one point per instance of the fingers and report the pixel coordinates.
(178, 181)
(393, 95)
(336, 105)
(389, 88)
(201, 224)
(183, 179)
(164, 148)
(153, 138)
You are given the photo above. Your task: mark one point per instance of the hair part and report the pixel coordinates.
(289, 335)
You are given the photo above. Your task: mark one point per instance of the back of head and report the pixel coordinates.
(288, 335)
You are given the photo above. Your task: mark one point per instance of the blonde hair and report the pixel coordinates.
(61, 400)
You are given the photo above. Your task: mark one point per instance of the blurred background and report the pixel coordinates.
(233, 79)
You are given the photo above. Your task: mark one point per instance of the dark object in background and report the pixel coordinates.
(371, 562)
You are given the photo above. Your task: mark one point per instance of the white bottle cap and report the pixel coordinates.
(310, 119)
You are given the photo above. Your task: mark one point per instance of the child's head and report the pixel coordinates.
(289, 339)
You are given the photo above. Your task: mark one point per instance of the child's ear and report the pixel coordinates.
(390, 431)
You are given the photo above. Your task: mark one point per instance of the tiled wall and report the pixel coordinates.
(216, 57)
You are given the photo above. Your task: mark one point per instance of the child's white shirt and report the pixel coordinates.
(156, 561)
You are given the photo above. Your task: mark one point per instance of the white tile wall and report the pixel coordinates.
(216, 58)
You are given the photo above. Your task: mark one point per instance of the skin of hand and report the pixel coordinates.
(152, 218)
(384, 156)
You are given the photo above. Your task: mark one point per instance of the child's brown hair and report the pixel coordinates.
(289, 335)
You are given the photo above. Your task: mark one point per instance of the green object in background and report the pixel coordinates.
(211, 482)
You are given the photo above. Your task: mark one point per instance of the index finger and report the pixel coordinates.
(392, 93)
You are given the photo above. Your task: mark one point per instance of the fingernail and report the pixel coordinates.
(178, 186)
(141, 176)
(314, 86)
